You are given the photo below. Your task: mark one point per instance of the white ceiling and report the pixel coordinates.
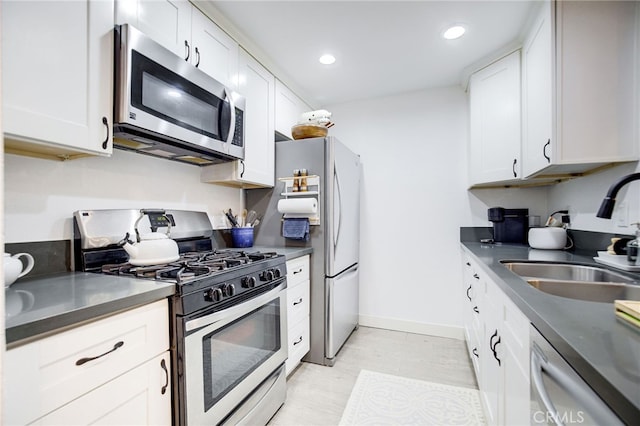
(382, 47)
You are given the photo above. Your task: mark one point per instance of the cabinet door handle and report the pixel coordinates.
(187, 50)
(163, 365)
(495, 352)
(493, 336)
(242, 172)
(297, 272)
(476, 276)
(197, 57)
(475, 352)
(297, 302)
(468, 290)
(493, 345)
(515, 161)
(475, 309)
(544, 150)
(297, 341)
(468, 264)
(85, 360)
(106, 140)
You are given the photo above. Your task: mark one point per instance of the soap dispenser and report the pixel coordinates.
(633, 246)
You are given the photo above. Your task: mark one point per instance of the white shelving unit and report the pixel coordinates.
(313, 191)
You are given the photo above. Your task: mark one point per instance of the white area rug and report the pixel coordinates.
(383, 399)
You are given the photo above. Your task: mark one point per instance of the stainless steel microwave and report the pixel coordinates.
(168, 108)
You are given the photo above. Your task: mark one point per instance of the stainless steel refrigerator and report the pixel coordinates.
(335, 240)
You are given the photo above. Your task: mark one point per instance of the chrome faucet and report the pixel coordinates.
(606, 208)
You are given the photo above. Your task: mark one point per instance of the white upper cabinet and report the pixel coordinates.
(258, 167)
(579, 88)
(213, 51)
(494, 108)
(182, 28)
(57, 77)
(168, 22)
(289, 107)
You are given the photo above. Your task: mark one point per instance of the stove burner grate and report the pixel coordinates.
(190, 266)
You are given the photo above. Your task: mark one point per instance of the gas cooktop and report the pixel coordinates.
(191, 265)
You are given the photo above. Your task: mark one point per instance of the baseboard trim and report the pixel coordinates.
(438, 330)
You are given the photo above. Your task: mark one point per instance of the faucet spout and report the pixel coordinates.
(606, 208)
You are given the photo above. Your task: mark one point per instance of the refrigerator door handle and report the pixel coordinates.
(338, 208)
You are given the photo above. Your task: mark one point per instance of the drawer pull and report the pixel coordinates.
(163, 365)
(85, 360)
(298, 341)
(297, 302)
(297, 272)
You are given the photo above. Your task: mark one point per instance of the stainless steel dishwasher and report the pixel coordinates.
(558, 394)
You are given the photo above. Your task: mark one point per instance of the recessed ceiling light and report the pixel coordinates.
(327, 59)
(454, 32)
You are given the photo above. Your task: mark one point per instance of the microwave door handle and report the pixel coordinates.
(232, 121)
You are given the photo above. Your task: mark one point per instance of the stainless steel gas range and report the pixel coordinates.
(228, 314)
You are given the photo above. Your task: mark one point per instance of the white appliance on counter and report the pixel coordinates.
(334, 235)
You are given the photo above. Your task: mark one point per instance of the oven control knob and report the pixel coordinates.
(229, 290)
(277, 273)
(213, 295)
(266, 275)
(248, 282)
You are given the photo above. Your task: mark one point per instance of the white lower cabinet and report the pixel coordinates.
(115, 370)
(135, 398)
(497, 336)
(298, 292)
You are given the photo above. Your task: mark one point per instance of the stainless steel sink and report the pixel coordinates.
(575, 281)
(566, 271)
(590, 291)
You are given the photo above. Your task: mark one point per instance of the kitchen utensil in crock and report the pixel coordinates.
(14, 269)
(152, 248)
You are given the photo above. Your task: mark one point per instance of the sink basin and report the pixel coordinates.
(589, 291)
(582, 282)
(566, 271)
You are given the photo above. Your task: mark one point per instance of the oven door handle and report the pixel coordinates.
(235, 311)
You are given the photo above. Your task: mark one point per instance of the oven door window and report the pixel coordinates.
(233, 352)
(166, 95)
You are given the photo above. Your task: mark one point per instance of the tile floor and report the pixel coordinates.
(317, 395)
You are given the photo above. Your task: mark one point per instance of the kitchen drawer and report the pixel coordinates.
(134, 398)
(297, 271)
(45, 372)
(298, 302)
(298, 344)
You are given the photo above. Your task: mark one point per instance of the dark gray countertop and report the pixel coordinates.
(604, 350)
(289, 252)
(46, 304)
(51, 303)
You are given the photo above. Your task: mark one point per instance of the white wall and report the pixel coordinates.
(41, 195)
(583, 197)
(414, 200)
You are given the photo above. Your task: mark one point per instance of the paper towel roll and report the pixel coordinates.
(298, 205)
